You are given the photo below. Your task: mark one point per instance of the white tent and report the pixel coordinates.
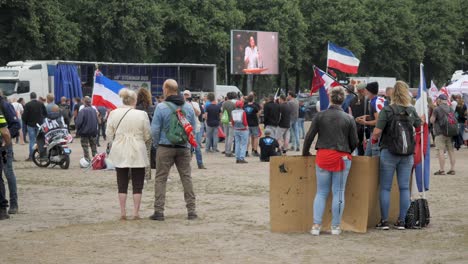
(460, 86)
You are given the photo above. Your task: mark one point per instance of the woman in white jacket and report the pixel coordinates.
(129, 128)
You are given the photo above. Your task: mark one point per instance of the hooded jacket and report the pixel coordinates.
(162, 117)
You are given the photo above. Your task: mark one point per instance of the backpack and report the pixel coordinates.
(225, 118)
(418, 215)
(175, 133)
(238, 119)
(9, 112)
(401, 134)
(449, 124)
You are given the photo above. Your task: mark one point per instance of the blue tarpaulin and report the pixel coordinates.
(67, 82)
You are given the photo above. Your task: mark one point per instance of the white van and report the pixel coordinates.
(222, 90)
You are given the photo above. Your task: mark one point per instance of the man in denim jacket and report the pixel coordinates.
(168, 154)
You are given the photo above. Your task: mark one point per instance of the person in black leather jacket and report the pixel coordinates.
(337, 139)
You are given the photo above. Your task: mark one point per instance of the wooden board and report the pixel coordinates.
(293, 188)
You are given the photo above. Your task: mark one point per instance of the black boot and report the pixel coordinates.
(3, 214)
(13, 209)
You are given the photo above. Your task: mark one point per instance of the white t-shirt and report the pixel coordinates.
(196, 108)
(454, 105)
(82, 106)
(252, 55)
(18, 108)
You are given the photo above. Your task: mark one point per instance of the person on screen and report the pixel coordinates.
(252, 55)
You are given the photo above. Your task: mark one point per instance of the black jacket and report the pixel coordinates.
(271, 114)
(34, 113)
(87, 122)
(336, 130)
(285, 119)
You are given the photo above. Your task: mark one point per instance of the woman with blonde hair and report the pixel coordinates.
(337, 139)
(130, 130)
(144, 103)
(396, 151)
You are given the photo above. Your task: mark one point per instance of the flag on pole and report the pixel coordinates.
(342, 59)
(322, 82)
(433, 92)
(106, 91)
(422, 149)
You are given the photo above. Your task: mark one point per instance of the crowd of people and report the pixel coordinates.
(384, 127)
(160, 134)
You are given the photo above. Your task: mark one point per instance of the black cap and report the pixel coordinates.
(373, 87)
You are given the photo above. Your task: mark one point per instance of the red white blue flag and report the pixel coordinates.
(342, 59)
(106, 91)
(422, 149)
(322, 82)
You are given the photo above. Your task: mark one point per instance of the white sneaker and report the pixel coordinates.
(335, 230)
(315, 231)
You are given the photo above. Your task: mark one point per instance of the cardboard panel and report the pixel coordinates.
(293, 188)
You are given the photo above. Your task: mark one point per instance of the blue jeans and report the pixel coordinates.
(390, 163)
(3, 200)
(300, 124)
(32, 133)
(10, 175)
(241, 138)
(198, 153)
(458, 139)
(211, 138)
(294, 134)
(337, 181)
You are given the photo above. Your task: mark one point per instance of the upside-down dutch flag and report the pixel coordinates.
(322, 82)
(342, 59)
(422, 154)
(106, 91)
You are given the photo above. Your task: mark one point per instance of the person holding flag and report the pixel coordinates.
(395, 124)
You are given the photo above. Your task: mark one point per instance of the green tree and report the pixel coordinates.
(199, 31)
(36, 30)
(439, 24)
(123, 31)
(393, 47)
(342, 22)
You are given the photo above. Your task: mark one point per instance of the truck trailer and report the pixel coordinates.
(76, 78)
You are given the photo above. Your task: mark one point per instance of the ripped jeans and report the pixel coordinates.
(337, 182)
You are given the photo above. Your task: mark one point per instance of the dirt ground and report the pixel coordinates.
(72, 216)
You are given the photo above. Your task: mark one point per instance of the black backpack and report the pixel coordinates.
(400, 134)
(418, 215)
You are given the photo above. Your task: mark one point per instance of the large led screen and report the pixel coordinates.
(254, 52)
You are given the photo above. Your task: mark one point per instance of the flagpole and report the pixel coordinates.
(421, 78)
(328, 48)
(333, 78)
